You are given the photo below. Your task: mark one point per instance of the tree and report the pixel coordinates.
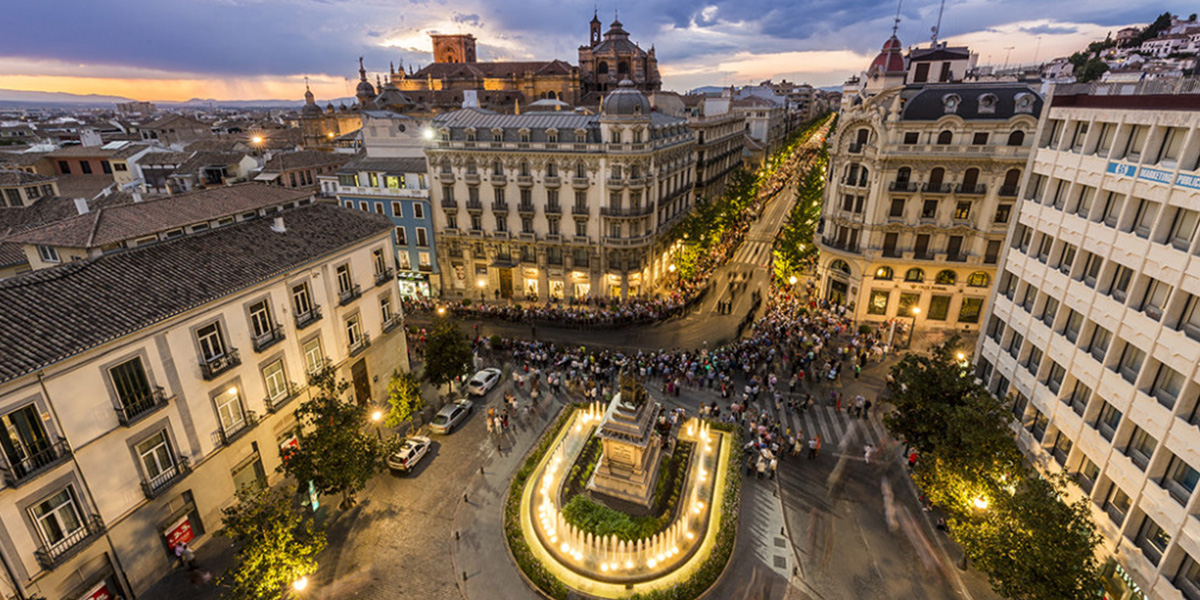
(404, 395)
(926, 390)
(1091, 70)
(277, 544)
(447, 353)
(1033, 545)
(333, 449)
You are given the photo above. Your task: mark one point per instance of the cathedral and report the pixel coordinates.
(604, 63)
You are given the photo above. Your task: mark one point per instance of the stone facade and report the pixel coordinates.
(629, 463)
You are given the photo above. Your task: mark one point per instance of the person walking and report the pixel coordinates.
(812, 448)
(762, 467)
(773, 465)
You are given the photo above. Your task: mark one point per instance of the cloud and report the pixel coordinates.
(1048, 29)
(471, 19)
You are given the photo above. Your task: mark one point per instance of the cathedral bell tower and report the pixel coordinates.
(595, 29)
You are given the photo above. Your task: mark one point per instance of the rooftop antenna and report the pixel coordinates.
(937, 28)
(896, 21)
(1008, 50)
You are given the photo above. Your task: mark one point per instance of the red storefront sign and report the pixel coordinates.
(180, 532)
(99, 592)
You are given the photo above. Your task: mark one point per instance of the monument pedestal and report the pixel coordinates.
(629, 462)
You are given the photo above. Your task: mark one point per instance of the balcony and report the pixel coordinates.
(450, 203)
(639, 211)
(553, 209)
(616, 184)
(856, 148)
(499, 180)
(903, 186)
(526, 208)
(305, 319)
(237, 430)
(581, 183)
(155, 486)
(212, 368)
(938, 188)
(500, 207)
(349, 295)
(629, 241)
(474, 205)
(579, 210)
(446, 177)
(527, 236)
(128, 414)
(843, 246)
(34, 463)
(978, 189)
(384, 276)
(356, 347)
(956, 258)
(636, 182)
(274, 404)
(551, 182)
(50, 556)
(272, 336)
(525, 180)
(471, 178)
(392, 322)
(891, 253)
(1009, 191)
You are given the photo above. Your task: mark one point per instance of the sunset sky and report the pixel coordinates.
(260, 49)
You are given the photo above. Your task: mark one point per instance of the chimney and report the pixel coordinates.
(277, 226)
(81, 206)
(137, 197)
(470, 99)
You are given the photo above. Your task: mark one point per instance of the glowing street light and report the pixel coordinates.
(377, 417)
(300, 584)
(916, 310)
(427, 134)
(792, 280)
(441, 310)
(258, 139)
(981, 503)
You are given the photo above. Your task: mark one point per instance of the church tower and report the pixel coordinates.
(595, 29)
(453, 48)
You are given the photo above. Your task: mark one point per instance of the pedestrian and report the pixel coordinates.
(187, 558)
(774, 464)
(812, 448)
(868, 450)
(866, 409)
(762, 467)
(857, 370)
(912, 459)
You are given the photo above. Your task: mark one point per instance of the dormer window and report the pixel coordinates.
(497, 134)
(950, 102)
(637, 136)
(1024, 103)
(580, 136)
(616, 136)
(445, 134)
(470, 133)
(524, 133)
(987, 104)
(552, 136)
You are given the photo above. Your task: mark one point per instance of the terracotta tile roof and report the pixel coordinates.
(81, 151)
(125, 221)
(287, 161)
(20, 159)
(83, 186)
(53, 314)
(174, 121)
(14, 178)
(225, 145)
(164, 158)
(199, 160)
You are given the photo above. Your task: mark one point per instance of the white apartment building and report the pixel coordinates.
(140, 388)
(1094, 327)
(922, 183)
(559, 204)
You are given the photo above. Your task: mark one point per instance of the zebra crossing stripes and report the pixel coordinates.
(834, 426)
(754, 253)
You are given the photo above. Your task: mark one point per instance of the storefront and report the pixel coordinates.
(557, 289)
(531, 283)
(1117, 583)
(581, 287)
(414, 284)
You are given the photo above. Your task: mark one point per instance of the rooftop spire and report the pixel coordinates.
(937, 28)
(362, 71)
(896, 21)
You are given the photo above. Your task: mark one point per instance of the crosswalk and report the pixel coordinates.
(756, 253)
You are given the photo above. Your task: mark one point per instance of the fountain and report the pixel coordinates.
(629, 462)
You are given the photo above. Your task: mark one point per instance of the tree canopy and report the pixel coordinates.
(447, 353)
(404, 396)
(277, 544)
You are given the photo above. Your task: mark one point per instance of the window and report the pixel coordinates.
(302, 299)
(1091, 269)
(1003, 213)
(212, 342)
(971, 308)
(946, 277)
(1108, 421)
(1062, 448)
(939, 307)
(945, 137)
(878, 302)
(86, 167)
(1131, 361)
(1072, 325)
(157, 458)
(1183, 228)
(1104, 143)
(991, 254)
(58, 519)
(401, 236)
(345, 282)
(379, 208)
(276, 379)
(962, 211)
(1141, 447)
(1135, 143)
(1033, 361)
(1078, 398)
(897, 208)
(929, 209)
(1112, 209)
(1180, 480)
(260, 320)
(423, 239)
(354, 332)
(911, 137)
(580, 228)
(1049, 310)
(1066, 259)
(1083, 207)
(229, 410)
(1117, 505)
(1153, 540)
(1166, 386)
(1119, 286)
(1044, 245)
(314, 355)
(423, 261)
(1054, 378)
(1016, 138)
(1155, 298)
(1172, 143)
(1189, 320)
(884, 273)
(64, 167)
(48, 253)
(978, 279)
(1187, 579)
(1143, 220)
(914, 275)
(979, 139)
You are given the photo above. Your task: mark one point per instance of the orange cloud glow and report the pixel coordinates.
(273, 88)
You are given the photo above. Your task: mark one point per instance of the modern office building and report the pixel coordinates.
(922, 182)
(556, 203)
(1094, 327)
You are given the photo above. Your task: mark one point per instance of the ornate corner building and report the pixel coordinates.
(922, 182)
(559, 204)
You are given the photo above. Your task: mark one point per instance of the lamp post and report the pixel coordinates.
(376, 417)
(916, 310)
(441, 311)
(980, 506)
(481, 285)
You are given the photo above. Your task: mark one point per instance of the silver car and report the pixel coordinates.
(450, 416)
(410, 453)
(483, 382)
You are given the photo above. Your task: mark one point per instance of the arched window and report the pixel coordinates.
(978, 279)
(945, 137)
(581, 170)
(903, 175)
(552, 95)
(497, 168)
(840, 266)
(915, 275)
(936, 176)
(862, 177)
(946, 277)
(884, 273)
(446, 166)
(551, 170)
(1016, 138)
(1012, 178)
(970, 180)
(602, 68)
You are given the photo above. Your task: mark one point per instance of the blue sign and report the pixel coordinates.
(1122, 169)
(1158, 175)
(1188, 181)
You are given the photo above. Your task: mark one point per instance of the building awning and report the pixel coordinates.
(267, 176)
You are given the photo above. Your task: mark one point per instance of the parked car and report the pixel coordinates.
(450, 416)
(410, 453)
(483, 382)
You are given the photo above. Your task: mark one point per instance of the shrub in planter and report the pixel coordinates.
(496, 342)
(864, 329)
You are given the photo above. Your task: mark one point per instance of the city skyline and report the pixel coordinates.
(270, 46)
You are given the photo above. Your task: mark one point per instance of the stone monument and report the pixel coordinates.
(629, 460)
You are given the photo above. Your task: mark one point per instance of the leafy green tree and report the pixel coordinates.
(926, 391)
(1091, 70)
(447, 353)
(1033, 545)
(334, 451)
(404, 395)
(277, 544)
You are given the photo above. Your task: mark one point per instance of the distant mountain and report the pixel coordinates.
(708, 89)
(13, 97)
(830, 88)
(243, 104)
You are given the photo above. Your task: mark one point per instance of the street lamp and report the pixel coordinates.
(441, 310)
(300, 584)
(481, 285)
(792, 280)
(916, 310)
(377, 416)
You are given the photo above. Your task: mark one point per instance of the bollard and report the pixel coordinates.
(456, 535)
(465, 498)
(464, 575)
(481, 469)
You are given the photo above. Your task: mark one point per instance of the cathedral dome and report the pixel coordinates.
(891, 58)
(625, 101)
(390, 96)
(365, 89)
